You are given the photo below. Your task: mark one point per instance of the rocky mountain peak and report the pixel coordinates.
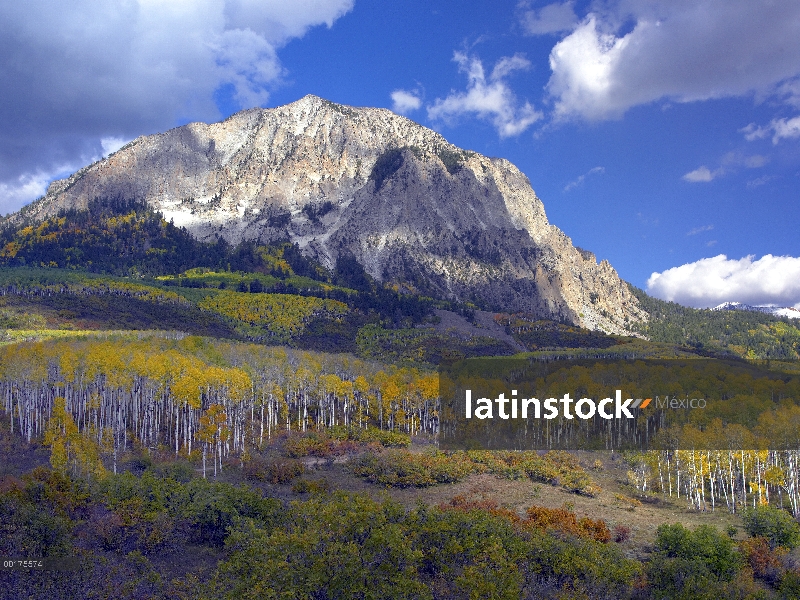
(408, 205)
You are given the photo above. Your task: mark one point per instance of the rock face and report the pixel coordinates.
(408, 205)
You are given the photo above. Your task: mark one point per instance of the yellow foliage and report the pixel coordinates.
(69, 445)
(282, 314)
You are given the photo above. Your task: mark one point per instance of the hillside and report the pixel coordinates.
(244, 471)
(748, 334)
(121, 265)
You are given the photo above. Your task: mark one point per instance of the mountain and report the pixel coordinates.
(368, 184)
(789, 312)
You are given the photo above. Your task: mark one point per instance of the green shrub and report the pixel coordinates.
(215, 507)
(369, 435)
(401, 468)
(705, 545)
(790, 585)
(775, 524)
(309, 486)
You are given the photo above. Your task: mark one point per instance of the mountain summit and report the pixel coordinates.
(368, 184)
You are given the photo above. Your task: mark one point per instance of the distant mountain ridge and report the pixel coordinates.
(787, 311)
(368, 184)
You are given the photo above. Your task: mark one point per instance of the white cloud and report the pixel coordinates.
(711, 281)
(488, 98)
(789, 91)
(17, 192)
(779, 129)
(702, 175)
(404, 102)
(14, 194)
(785, 129)
(759, 181)
(553, 18)
(755, 161)
(728, 163)
(701, 229)
(575, 183)
(753, 132)
(112, 144)
(74, 73)
(682, 50)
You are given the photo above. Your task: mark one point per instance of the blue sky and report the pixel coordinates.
(663, 136)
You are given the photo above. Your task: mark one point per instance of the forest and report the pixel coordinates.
(192, 420)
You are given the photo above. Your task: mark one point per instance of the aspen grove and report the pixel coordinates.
(93, 399)
(192, 395)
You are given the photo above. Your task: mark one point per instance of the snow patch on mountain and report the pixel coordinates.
(785, 311)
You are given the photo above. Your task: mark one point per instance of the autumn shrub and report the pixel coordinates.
(621, 533)
(107, 528)
(142, 498)
(272, 471)
(470, 550)
(401, 468)
(310, 444)
(337, 546)
(700, 563)
(556, 467)
(461, 503)
(627, 502)
(369, 435)
(565, 521)
(180, 471)
(340, 440)
(766, 562)
(66, 495)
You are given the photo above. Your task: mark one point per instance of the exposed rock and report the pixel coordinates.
(408, 205)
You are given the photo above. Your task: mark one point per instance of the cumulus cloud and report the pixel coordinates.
(18, 191)
(702, 175)
(581, 178)
(778, 128)
(712, 281)
(112, 144)
(404, 102)
(74, 73)
(789, 92)
(489, 97)
(553, 18)
(629, 52)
